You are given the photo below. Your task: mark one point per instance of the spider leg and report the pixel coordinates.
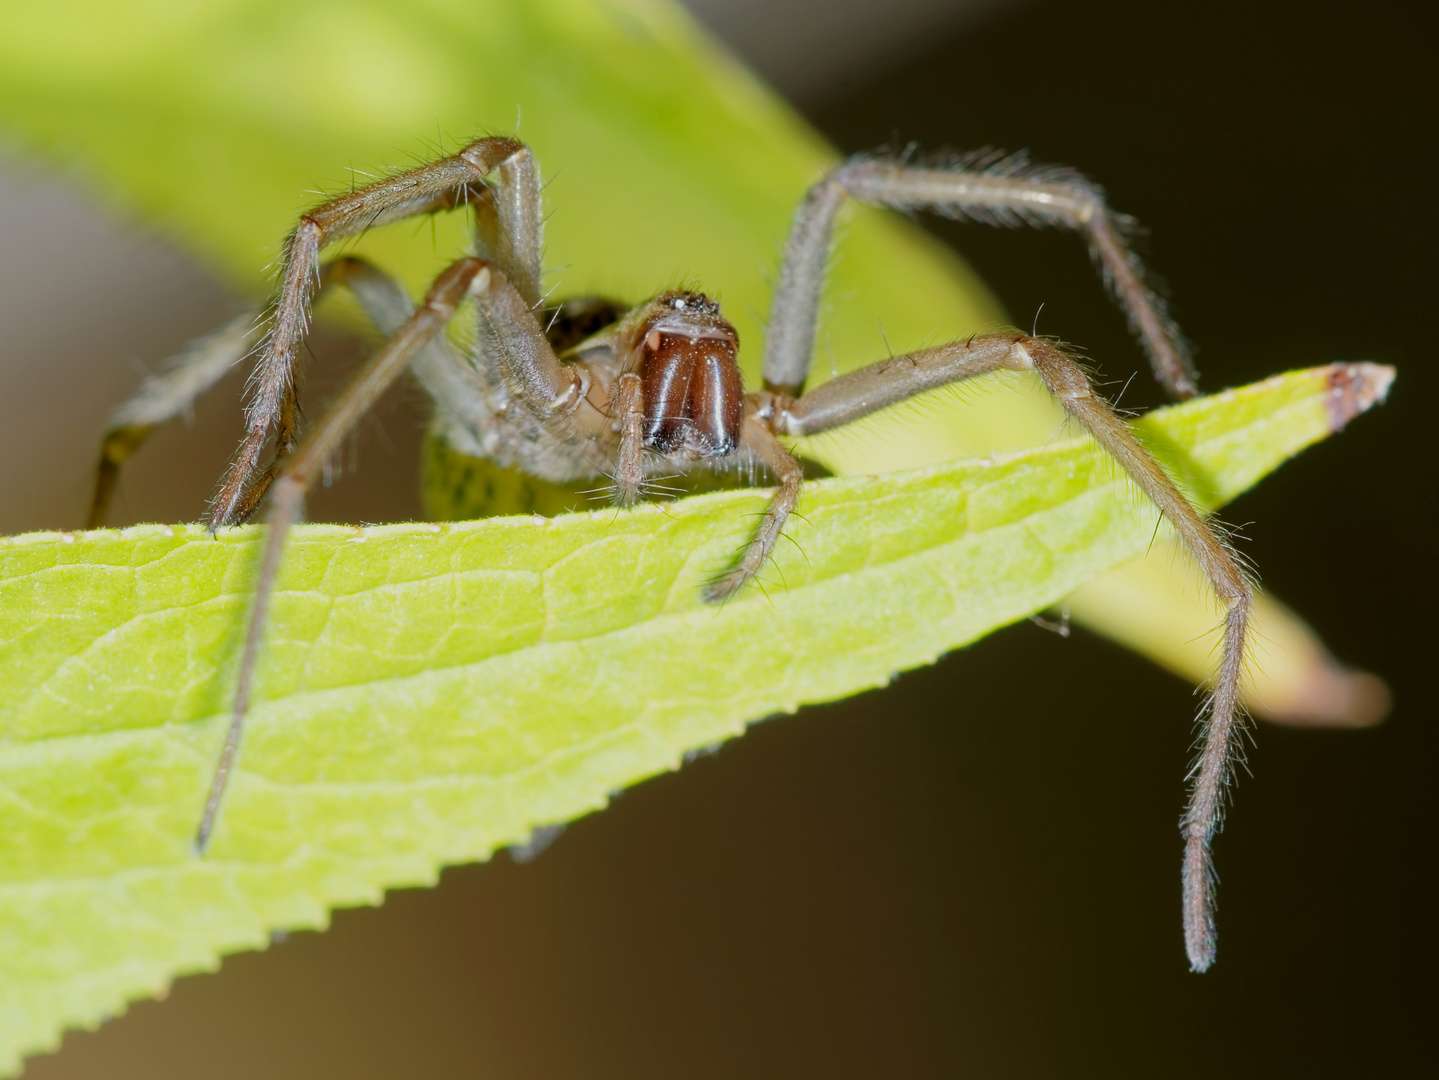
(287, 427)
(1211, 771)
(467, 277)
(993, 190)
(861, 392)
(388, 305)
(162, 397)
(628, 414)
(182, 381)
(438, 186)
(509, 224)
(760, 440)
(450, 382)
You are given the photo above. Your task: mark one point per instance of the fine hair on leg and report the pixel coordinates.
(991, 188)
(1222, 719)
(164, 396)
(628, 416)
(295, 475)
(862, 392)
(441, 185)
(759, 440)
(183, 380)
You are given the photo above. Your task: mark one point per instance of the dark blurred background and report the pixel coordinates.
(975, 871)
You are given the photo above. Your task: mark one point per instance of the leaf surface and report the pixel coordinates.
(430, 693)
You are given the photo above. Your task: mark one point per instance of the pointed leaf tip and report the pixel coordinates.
(1356, 388)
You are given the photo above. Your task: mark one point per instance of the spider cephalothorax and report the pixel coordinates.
(684, 355)
(585, 388)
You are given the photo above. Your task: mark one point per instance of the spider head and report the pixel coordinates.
(694, 397)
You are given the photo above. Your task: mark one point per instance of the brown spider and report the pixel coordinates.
(628, 394)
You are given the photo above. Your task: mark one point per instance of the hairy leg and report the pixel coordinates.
(862, 392)
(545, 386)
(440, 185)
(994, 189)
(832, 405)
(1211, 771)
(387, 304)
(300, 470)
(164, 396)
(185, 379)
(627, 415)
(756, 436)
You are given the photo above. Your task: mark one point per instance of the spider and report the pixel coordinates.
(589, 388)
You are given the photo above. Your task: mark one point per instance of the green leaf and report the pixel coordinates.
(429, 693)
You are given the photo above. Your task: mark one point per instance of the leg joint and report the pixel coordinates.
(485, 154)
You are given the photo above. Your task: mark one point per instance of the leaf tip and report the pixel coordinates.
(1336, 697)
(1356, 388)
